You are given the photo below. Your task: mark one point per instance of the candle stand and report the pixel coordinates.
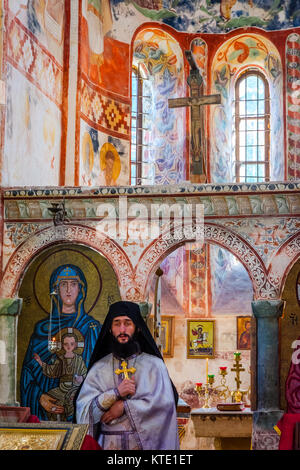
(207, 390)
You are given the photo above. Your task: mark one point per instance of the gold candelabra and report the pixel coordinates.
(222, 391)
(203, 389)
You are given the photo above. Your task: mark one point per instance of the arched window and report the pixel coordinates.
(140, 113)
(252, 127)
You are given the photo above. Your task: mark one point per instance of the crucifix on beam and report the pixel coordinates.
(196, 101)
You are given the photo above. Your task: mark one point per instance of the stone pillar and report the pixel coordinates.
(9, 311)
(267, 314)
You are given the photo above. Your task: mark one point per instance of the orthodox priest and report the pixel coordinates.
(127, 397)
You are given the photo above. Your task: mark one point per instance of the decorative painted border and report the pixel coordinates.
(32, 205)
(267, 284)
(103, 113)
(180, 189)
(165, 244)
(65, 233)
(34, 62)
(292, 103)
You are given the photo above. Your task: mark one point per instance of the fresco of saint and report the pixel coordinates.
(40, 377)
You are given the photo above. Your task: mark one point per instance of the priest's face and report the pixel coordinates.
(122, 329)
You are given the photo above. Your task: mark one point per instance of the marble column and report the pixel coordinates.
(9, 311)
(267, 314)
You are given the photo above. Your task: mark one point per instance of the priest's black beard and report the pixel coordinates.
(124, 350)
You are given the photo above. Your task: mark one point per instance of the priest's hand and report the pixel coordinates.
(127, 387)
(115, 411)
(49, 404)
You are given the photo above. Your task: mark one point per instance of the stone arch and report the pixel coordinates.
(282, 262)
(77, 234)
(213, 233)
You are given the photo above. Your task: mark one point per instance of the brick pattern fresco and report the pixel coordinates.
(104, 113)
(31, 59)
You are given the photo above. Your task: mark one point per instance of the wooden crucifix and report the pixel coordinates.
(196, 101)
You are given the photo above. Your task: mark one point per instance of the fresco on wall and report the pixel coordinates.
(235, 55)
(57, 332)
(198, 280)
(211, 16)
(44, 20)
(266, 235)
(292, 102)
(174, 281)
(175, 276)
(199, 52)
(34, 52)
(231, 287)
(32, 143)
(104, 159)
(104, 91)
(162, 58)
(104, 61)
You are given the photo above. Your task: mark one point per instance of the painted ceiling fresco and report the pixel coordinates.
(212, 16)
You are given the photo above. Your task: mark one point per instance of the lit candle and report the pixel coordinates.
(223, 368)
(199, 384)
(207, 370)
(237, 354)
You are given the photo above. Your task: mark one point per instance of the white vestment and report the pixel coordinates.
(149, 421)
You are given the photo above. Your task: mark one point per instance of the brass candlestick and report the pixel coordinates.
(211, 380)
(203, 389)
(206, 396)
(223, 389)
(198, 388)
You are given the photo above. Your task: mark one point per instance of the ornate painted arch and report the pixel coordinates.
(164, 245)
(282, 262)
(65, 233)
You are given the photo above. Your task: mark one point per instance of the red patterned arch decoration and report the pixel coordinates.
(227, 239)
(66, 233)
(282, 262)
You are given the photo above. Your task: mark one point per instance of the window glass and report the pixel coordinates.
(252, 124)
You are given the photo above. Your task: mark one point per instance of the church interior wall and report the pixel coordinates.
(33, 64)
(104, 88)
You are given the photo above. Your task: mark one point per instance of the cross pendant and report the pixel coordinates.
(124, 370)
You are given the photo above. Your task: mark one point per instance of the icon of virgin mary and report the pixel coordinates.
(68, 313)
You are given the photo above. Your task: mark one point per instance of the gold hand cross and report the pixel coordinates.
(124, 370)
